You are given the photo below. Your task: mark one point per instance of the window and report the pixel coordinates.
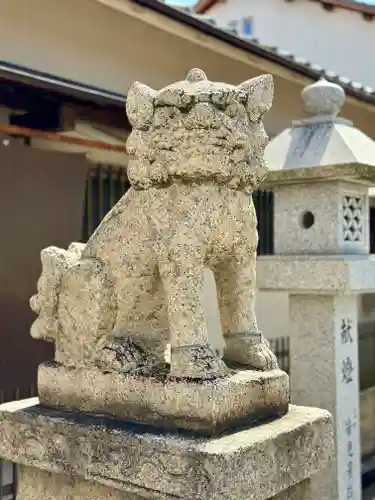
(247, 26)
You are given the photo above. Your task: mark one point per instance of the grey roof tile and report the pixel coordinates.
(328, 74)
(279, 56)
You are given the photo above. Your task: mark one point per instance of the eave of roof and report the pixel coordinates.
(273, 54)
(50, 83)
(204, 5)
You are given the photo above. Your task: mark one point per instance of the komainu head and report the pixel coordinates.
(199, 131)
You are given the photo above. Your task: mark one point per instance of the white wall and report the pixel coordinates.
(76, 39)
(340, 41)
(86, 42)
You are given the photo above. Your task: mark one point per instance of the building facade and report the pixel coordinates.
(336, 35)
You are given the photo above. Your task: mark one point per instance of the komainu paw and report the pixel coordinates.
(123, 355)
(250, 350)
(196, 362)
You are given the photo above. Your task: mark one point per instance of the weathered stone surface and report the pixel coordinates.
(207, 408)
(301, 491)
(112, 305)
(317, 208)
(256, 463)
(36, 484)
(322, 98)
(351, 172)
(341, 274)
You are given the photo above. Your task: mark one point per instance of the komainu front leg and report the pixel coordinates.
(191, 355)
(244, 344)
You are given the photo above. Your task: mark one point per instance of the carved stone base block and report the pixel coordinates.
(300, 491)
(89, 457)
(37, 484)
(206, 408)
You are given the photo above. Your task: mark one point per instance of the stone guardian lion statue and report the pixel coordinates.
(115, 302)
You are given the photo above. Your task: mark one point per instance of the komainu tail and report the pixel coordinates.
(55, 263)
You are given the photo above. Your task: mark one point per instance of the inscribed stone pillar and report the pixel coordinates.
(324, 363)
(321, 169)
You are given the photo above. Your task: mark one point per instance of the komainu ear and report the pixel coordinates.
(259, 96)
(140, 105)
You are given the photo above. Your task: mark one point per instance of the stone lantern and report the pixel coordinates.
(321, 171)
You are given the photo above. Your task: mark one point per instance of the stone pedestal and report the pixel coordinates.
(207, 408)
(38, 484)
(66, 455)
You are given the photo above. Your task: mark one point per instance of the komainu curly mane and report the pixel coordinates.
(198, 131)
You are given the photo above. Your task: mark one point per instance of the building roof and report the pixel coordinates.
(365, 8)
(273, 54)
